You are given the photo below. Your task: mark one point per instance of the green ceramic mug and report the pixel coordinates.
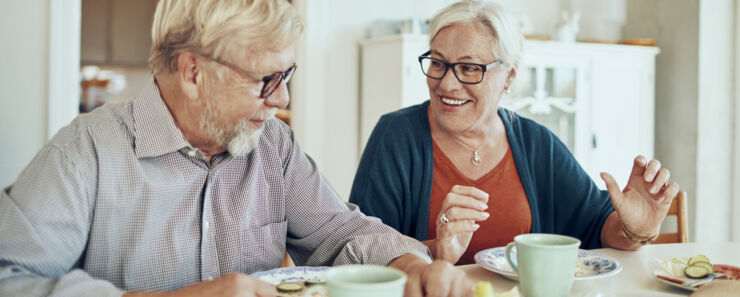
(546, 263)
(362, 281)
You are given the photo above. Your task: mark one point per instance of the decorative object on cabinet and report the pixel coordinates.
(567, 30)
(599, 99)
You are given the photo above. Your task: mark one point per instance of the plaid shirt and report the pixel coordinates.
(118, 200)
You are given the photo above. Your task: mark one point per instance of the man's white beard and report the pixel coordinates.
(239, 140)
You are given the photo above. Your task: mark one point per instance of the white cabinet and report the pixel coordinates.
(598, 98)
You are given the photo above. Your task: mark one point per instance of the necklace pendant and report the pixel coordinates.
(476, 159)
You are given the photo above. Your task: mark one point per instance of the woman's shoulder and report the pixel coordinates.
(412, 119)
(520, 124)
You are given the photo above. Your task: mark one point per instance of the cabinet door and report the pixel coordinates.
(131, 31)
(624, 106)
(94, 32)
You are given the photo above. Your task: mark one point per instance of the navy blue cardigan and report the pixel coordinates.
(394, 178)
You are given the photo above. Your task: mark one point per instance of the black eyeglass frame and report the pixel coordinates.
(484, 67)
(264, 92)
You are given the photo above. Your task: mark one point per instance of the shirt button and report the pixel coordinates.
(205, 224)
(192, 153)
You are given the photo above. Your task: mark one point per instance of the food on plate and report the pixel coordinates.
(290, 287)
(698, 267)
(696, 271)
(313, 282)
(485, 289)
(698, 259)
(297, 288)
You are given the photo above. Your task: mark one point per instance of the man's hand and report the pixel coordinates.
(230, 285)
(643, 203)
(439, 279)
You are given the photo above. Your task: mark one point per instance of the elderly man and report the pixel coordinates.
(194, 184)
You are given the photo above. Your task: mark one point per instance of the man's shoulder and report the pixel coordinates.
(109, 122)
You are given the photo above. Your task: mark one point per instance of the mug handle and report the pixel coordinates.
(508, 257)
(310, 290)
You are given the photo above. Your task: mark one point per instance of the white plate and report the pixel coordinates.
(590, 264)
(730, 272)
(676, 280)
(291, 274)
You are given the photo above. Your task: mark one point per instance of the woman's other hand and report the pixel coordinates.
(456, 222)
(643, 203)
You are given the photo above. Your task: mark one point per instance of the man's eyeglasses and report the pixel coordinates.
(270, 83)
(467, 73)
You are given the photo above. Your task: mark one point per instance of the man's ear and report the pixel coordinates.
(189, 73)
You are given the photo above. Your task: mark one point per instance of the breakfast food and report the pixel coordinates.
(297, 288)
(485, 289)
(698, 267)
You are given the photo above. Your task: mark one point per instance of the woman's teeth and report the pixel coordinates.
(453, 101)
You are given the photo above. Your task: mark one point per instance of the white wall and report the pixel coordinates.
(715, 121)
(694, 103)
(23, 79)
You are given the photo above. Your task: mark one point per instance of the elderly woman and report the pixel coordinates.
(462, 174)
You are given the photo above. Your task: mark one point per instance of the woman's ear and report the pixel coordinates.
(512, 75)
(189, 73)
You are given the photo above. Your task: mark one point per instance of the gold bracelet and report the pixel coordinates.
(637, 238)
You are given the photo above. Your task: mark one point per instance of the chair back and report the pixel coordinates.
(678, 209)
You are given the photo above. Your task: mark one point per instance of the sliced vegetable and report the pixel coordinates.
(697, 259)
(696, 271)
(289, 287)
(706, 265)
(312, 282)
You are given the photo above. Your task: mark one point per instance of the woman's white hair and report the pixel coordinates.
(220, 29)
(507, 39)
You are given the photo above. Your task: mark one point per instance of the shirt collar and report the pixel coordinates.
(155, 132)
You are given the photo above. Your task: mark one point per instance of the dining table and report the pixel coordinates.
(637, 275)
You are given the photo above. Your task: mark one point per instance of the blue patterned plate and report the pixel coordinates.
(590, 265)
(291, 274)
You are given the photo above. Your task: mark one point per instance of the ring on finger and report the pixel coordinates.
(444, 218)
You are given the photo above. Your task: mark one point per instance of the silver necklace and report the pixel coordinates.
(476, 159)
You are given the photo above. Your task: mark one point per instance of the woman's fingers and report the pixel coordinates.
(459, 213)
(459, 200)
(661, 179)
(458, 227)
(651, 171)
(471, 192)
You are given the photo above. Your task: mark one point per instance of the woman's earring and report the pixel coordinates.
(508, 90)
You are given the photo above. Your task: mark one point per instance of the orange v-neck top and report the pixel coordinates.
(507, 202)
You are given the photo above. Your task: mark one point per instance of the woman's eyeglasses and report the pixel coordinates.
(467, 73)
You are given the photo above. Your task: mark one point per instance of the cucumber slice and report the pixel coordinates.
(312, 282)
(696, 272)
(289, 287)
(706, 265)
(698, 258)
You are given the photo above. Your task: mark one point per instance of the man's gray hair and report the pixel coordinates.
(220, 29)
(507, 39)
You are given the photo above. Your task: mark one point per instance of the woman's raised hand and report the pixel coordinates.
(456, 222)
(643, 203)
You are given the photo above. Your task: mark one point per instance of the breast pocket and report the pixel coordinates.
(263, 247)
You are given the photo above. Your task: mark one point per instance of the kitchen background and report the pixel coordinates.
(47, 46)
